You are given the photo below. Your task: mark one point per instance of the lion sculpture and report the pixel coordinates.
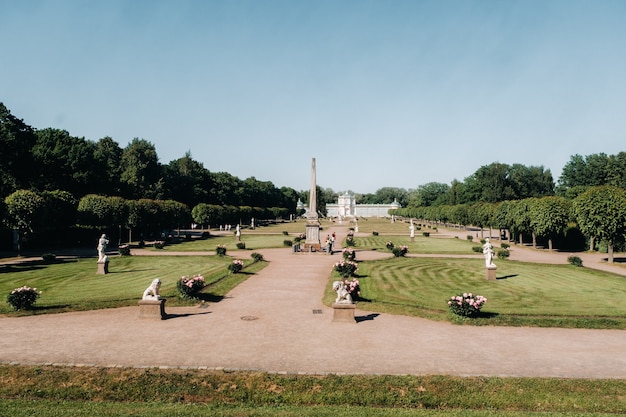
(343, 296)
(152, 292)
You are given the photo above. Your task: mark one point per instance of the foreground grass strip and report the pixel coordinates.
(45, 408)
(245, 389)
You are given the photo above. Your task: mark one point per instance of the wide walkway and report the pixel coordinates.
(276, 322)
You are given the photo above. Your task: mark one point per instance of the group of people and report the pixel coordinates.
(329, 243)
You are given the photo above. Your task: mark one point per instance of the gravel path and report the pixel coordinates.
(276, 322)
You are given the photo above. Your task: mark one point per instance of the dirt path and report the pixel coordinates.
(276, 322)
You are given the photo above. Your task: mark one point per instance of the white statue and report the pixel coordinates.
(102, 246)
(488, 252)
(152, 292)
(412, 231)
(343, 296)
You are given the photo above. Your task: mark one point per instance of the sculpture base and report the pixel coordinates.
(490, 274)
(344, 313)
(152, 309)
(103, 268)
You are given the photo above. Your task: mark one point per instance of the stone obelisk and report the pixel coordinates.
(312, 242)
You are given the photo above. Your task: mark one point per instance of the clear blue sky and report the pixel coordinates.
(381, 93)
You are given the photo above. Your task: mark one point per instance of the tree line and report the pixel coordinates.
(128, 188)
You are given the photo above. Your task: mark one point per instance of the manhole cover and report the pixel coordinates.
(317, 311)
(249, 318)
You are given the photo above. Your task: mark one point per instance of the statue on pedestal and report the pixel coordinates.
(152, 292)
(488, 252)
(343, 295)
(102, 246)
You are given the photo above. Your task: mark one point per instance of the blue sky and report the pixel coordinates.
(381, 93)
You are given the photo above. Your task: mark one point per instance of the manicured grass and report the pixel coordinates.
(523, 294)
(424, 245)
(253, 241)
(123, 391)
(74, 285)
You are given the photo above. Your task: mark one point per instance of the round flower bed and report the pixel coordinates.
(23, 298)
(188, 287)
(349, 254)
(235, 266)
(346, 268)
(466, 304)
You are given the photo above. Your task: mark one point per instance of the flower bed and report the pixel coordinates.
(235, 266)
(399, 251)
(23, 298)
(349, 254)
(220, 250)
(466, 304)
(346, 268)
(188, 287)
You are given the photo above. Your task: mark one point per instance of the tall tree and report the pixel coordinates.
(601, 214)
(549, 217)
(25, 211)
(141, 172)
(65, 162)
(108, 157)
(16, 163)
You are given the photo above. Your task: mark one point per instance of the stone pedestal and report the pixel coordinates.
(344, 313)
(490, 274)
(103, 267)
(152, 309)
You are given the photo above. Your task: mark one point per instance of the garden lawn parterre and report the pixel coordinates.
(74, 285)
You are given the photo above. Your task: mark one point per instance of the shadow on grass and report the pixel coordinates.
(507, 276)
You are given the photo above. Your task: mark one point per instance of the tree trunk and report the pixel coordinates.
(610, 251)
(534, 241)
(521, 239)
(592, 243)
(550, 244)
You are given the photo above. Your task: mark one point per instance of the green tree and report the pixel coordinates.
(16, 142)
(601, 214)
(64, 162)
(187, 181)
(24, 213)
(108, 159)
(549, 217)
(141, 173)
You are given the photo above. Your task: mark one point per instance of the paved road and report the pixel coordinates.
(276, 322)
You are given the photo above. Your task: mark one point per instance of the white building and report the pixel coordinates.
(346, 207)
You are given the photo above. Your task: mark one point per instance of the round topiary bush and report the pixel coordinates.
(23, 298)
(575, 260)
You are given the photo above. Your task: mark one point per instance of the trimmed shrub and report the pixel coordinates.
(478, 249)
(286, 233)
(575, 260)
(503, 254)
(23, 298)
(426, 234)
(375, 233)
(220, 250)
(256, 257)
(49, 257)
(505, 245)
(241, 245)
(287, 242)
(124, 250)
(235, 266)
(470, 237)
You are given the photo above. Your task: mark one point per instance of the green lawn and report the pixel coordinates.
(523, 294)
(74, 285)
(424, 245)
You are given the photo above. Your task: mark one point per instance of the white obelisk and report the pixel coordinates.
(312, 241)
